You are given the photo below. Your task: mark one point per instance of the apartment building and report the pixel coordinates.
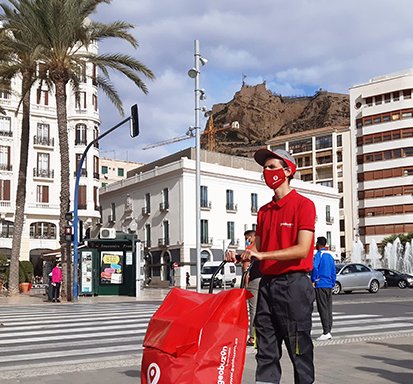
(157, 202)
(41, 227)
(324, 157)
(112, 170)
(382, 120)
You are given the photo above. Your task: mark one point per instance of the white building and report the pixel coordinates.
(41, 226)
(324, 157)
(382, 119)
(158, 201)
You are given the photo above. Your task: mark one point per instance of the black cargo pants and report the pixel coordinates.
(284, 309)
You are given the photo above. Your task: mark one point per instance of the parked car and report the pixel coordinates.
(356, 276)
(396, 279)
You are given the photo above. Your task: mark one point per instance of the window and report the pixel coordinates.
(387, 97)
(83, 171)
(148, 203)
(96, 167)
(165, 193)
(95, 102)
(94, 72)
(104, 185)
(80, 136)
(5, 158)
(42, 97)
(113, 211)
(4, 190)
(96, 198)
(42, 230)
(80, 98)
(42, 194)
(104, 169)
(369, 101)
(328, 214)
(396, 96)
(323, 142)
(407, 94)
(204, 197)
(328, 236)
(166, 232)
(147, 235)
(204, 232)
(5, 126)
(231, 232)
(81, 72)
(304, 145)
(121, 172)
(95, 136)
(5, 90)
(6, 229)
(378, 99)
(340, 186)
(43, 161)
(254, 202)
(230, 200)
(82, 202)
(43, 134)
(339, 140)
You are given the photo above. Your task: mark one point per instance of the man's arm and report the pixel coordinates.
(298, 251)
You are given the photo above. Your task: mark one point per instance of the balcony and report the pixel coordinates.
(96, 175)
(6, 133)
(146, 211)
(207, 241)
(5, 203)
(81, 142)
(6, 167)
(43, 173)
(330, 220)
(43, 141)
(83, 173)
(254, 210)
(206, 205)
(164, 242)
(234, 243)
(164, 207)
(232, 208)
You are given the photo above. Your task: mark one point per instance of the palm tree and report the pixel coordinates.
(18, 56)
(63, 29)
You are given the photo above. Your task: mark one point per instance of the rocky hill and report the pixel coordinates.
(262, 115)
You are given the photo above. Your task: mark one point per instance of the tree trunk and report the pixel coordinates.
(61, 108)
(21, 191)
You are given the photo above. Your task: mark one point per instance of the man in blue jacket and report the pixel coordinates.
(323, 277)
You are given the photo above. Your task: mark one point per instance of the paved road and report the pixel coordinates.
(35, 340)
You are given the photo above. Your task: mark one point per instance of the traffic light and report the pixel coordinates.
(134, 121)
(69, 216)
(68, 234)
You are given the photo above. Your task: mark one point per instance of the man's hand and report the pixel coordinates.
(231, 256)
(248, 254)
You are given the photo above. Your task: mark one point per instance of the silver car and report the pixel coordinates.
(355, 276)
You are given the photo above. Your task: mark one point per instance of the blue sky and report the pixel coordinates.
(296, 46)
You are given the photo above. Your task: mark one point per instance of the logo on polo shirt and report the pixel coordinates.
(286, 225)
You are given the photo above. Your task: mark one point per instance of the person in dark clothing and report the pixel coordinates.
(252, 283)
(323, 277)
(284, 248)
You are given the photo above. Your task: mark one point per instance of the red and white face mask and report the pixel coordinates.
(274, 177)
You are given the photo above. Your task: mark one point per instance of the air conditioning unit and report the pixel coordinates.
(107, 233)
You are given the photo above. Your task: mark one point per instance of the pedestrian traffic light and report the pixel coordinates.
(134, 121)
(68, 234)
(69, 216)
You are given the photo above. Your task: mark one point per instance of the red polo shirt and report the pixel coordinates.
(278, 223)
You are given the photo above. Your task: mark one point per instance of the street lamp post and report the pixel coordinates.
(134, 132)
(195, 74)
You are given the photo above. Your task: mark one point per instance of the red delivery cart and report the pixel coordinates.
(197, 338)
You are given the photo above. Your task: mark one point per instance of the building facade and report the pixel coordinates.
(112, 170)
(324, 157)
(382, 122)
(157, 202)
(41, 226)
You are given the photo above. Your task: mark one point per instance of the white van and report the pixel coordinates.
(228, 272)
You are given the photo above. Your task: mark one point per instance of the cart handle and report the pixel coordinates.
(243, 277)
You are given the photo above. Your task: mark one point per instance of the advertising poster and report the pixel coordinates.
(111, 267)
(86, 272)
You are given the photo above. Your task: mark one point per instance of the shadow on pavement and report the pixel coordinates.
(392, 376)
(132, 373)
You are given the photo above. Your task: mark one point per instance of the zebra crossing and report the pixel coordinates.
(58, 334)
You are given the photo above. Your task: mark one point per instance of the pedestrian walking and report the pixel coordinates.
(188, 277)
(56, 282)
(252, 283)
(284, 247)
(323, 277)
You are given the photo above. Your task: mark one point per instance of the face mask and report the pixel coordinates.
(247, 243)
(274, 177)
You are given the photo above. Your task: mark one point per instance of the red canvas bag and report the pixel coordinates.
(197, 338)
